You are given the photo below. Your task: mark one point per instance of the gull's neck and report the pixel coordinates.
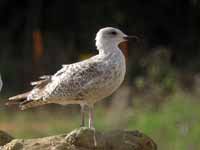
(107, 48)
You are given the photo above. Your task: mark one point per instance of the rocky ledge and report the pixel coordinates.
(82, 139)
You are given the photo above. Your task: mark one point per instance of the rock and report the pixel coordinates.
(4, 138)
(86, 139)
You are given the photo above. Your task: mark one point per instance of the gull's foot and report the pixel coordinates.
(94, 136)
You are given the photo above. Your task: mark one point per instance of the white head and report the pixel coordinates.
(109, 37)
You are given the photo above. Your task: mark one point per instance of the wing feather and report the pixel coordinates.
(66, 83)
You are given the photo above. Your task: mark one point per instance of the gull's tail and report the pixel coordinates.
(38, 89)
(18, 99)
(23, 103)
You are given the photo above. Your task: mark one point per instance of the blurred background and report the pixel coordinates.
(160, 94)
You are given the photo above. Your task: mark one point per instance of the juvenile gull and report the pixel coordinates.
(84, 82)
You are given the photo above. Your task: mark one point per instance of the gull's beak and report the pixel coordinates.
(127, 37)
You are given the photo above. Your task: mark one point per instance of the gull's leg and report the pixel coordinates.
(91, 116)
(91, 122)
(82, 115)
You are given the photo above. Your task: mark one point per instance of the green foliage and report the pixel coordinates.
(174, 126)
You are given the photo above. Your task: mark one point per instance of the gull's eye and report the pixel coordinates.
(113, 33)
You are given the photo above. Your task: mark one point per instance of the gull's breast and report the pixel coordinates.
(114, 72)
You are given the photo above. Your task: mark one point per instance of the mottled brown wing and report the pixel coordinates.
(74, 79)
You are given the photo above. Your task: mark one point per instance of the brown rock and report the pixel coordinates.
(86, 139)
(4, 138)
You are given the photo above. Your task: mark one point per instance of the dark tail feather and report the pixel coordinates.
(32, 103)
(17, 99)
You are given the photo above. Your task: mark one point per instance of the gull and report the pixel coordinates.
(85, 82)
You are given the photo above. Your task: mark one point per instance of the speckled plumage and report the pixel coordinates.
(84, 82)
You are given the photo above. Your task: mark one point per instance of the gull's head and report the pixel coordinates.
(109, 37)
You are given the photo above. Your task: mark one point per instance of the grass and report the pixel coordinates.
(174, 125)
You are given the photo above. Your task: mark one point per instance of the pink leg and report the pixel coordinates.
(82, 115)
(91, 116)
(91, 122)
